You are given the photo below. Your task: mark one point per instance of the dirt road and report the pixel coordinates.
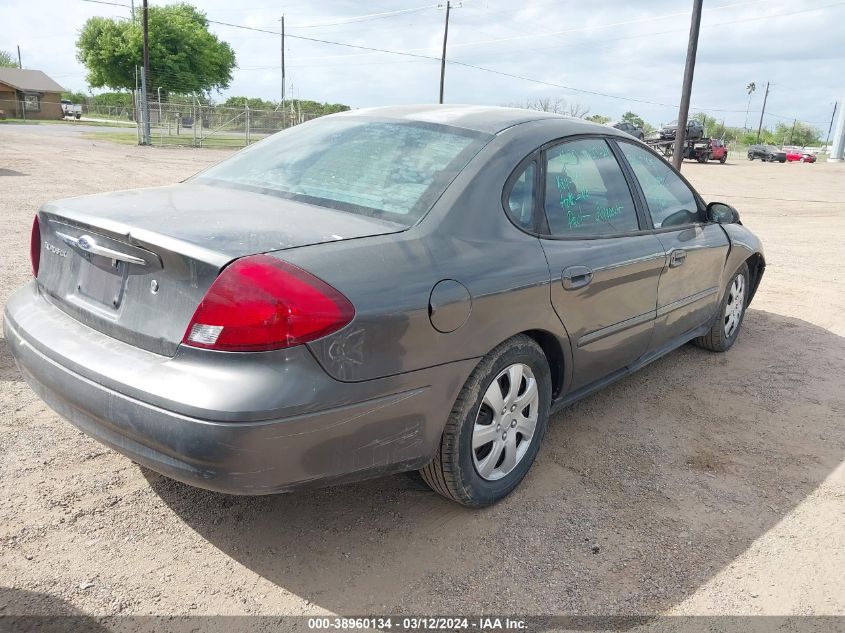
(703, 484)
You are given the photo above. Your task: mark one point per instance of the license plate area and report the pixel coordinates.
(102, 281)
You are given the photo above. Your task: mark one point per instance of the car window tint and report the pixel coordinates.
(394, 170)
(586, 192)
(670, 201)
(521, 198)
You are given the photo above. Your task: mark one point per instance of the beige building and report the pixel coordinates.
(29, 94)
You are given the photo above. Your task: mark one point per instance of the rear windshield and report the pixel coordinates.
(389, 169)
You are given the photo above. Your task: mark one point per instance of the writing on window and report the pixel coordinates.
(586, 192)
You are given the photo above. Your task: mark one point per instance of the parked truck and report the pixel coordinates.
(71, 110)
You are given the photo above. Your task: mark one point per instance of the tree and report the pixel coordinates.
(598, 118)
(184, 56)
(7, 60)
(558, 106)
(801, 136)
(76, 96)
(750, 88)
(255, 103)
(634, 119)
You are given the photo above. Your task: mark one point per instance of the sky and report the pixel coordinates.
(610, 56)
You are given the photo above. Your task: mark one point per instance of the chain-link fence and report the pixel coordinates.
(202, 125)
(191, 124)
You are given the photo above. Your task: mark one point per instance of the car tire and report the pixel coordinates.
(703, 158)
(726, 326)
(750, 157)
(723, 159)
(456, 470)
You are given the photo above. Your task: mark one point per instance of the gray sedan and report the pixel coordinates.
(385, 290)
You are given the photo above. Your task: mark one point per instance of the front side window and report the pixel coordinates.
(387, 169)
(670, 201)
(586, 191)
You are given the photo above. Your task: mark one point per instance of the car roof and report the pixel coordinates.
(488, 119)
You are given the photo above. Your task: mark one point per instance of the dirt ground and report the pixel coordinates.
(704, 484)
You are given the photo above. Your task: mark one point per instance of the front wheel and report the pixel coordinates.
(725, 329)
(496, 426)
(723, 159)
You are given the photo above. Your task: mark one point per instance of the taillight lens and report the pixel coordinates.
(35, 246)
(262, 303)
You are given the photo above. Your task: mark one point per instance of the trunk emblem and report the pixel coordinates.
(52, 249)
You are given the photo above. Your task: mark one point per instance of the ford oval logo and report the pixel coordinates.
(84, 243)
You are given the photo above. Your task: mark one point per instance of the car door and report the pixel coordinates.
(689, 290)
(604, 264)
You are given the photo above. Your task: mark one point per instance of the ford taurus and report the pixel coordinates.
(386, 290)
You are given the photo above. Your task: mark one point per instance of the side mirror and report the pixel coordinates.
(722, 213)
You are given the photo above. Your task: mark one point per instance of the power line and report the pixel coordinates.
(597, 26)
(409, 53)
(638, 35)
(363, 18)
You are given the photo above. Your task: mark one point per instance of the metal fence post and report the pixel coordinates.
(247, 123)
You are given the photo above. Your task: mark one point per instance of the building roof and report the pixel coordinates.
(28, 80)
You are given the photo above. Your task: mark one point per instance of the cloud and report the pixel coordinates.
(633, 51)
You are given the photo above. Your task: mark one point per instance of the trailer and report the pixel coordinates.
(700, 149)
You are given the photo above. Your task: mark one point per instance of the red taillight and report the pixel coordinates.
(35, 246)
(262, 303)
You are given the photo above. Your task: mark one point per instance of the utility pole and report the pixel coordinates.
(283, 62)
(145, 115)
(762, 112)
(836, 152)
(830, 127)
(686, 91)
(20, 65)
(792, 132)
(443, 56)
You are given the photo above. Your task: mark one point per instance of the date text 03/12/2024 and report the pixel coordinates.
(422, 623)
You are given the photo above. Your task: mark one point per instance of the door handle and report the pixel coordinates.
(576, 277)
(678, 257)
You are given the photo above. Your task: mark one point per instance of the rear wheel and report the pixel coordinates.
(723, 159)
(725, 329)
(496, 426)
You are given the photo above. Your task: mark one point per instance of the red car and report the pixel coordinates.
(801, 155)
(718, 150)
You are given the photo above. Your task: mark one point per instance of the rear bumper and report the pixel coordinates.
(326, 431)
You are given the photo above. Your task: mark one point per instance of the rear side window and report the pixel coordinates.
(670, 201)
(586, 191)
(520, 201)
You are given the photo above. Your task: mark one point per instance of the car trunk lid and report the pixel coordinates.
(136, 264)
